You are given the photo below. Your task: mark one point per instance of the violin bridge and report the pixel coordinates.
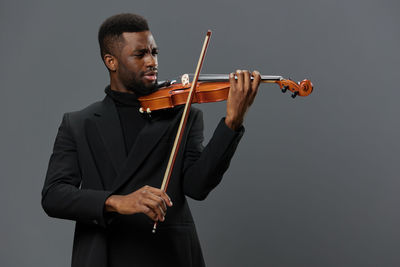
(185, 79)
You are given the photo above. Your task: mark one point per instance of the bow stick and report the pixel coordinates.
(182, 124)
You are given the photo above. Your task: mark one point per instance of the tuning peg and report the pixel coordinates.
(294, 94)
(284, 88)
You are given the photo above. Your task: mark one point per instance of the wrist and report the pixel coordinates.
(233, 124)
(111, 203)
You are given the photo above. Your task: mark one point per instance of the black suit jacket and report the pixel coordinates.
(88, 164)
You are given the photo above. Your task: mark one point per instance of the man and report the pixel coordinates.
(108, 161)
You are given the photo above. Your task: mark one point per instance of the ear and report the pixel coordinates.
(111, 62)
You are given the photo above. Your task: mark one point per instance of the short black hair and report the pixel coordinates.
(112, 28)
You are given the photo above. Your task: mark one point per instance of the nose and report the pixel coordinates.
(151, 61)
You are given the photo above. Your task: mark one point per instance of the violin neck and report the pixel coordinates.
(225, 77)
(218, 78)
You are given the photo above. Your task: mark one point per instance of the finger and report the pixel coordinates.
(255, 84)
(239, 75)
(159, 200)
(155, 208)
(162, 194)
(246, 81)
(232, 81)
(256, 80)
(150, 213)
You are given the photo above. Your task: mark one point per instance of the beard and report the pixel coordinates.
(138, 87)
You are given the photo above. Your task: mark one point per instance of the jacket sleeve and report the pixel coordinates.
(205, 166)
(62, 196)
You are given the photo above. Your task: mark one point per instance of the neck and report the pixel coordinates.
(225, 77)
(117, 85)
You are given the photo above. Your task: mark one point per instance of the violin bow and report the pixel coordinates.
(182, 124)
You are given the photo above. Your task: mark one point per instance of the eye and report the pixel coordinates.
(140, 55)
(154, 52)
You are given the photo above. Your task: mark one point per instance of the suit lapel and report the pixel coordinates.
(109, 126)
(147, 139)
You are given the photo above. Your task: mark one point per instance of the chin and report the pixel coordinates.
(151, 84)
(143, 89)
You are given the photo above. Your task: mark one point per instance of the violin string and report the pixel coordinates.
(225, 77)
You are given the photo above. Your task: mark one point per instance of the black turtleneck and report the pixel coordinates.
(132, 121)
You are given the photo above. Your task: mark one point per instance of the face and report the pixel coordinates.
(137, 63)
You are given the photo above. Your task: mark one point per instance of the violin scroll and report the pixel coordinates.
(303, 88)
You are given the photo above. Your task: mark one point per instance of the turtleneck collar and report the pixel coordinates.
(124, 99)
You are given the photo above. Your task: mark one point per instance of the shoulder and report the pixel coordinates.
(85, 112)
(76, 118)
(196, 111)
(196, 115)
(176, 113)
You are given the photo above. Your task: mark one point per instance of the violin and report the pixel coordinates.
(210, 88)
(203, 89)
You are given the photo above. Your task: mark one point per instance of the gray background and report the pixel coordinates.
(314, 181)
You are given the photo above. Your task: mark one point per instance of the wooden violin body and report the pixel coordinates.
(176, 94)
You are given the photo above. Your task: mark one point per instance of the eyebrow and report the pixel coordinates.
(145, 50)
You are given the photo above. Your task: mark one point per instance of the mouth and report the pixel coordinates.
(150, 76)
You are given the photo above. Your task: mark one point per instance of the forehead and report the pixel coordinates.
(138, 40)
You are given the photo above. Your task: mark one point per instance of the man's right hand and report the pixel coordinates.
(148, 200)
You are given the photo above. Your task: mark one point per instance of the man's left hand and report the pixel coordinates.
(242, 92)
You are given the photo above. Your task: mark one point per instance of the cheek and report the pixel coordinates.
(129, 69)
(135, 66)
